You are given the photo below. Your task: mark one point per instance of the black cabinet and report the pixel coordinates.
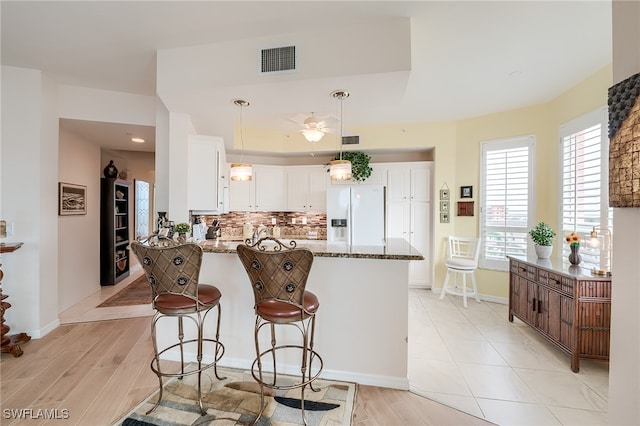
(115, 202)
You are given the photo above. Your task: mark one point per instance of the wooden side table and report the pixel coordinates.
(9, 343)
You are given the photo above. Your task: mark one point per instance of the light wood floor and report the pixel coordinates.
(97, 371)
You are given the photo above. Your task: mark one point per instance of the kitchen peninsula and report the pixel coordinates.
(362, 323)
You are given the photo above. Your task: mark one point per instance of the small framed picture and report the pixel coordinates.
(466, 192)
(444, 217)
(444, 194)
(444, 206)
(72, 199)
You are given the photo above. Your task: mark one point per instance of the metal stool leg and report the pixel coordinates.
(156, 357)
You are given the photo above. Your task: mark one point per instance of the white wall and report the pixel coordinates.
(29, 199)
(162, 157)
(624, 369)
(82, 103)
(179, 128)
(32, 104)
(79, 236)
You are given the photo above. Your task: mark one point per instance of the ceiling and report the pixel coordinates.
(466, 58)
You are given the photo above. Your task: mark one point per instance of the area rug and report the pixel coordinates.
(236, 401)
(136, 293)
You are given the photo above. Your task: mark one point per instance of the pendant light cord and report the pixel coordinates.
(341, 95)
(241, 103)
(341, 121)
(241, 135)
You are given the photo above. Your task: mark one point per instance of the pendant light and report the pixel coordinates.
(241, 171)
(340, 169)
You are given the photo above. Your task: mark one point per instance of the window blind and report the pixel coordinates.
(506, 201)
(585, 183)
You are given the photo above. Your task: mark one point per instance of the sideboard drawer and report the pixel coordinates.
(599, 289)
(524, 270)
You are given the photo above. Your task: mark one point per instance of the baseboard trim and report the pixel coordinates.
(393, 382)
(38, 334)
(482, 296)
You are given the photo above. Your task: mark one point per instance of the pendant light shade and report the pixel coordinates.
(241, 171)
(340, 169)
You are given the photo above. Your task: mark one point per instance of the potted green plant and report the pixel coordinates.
(542, 235)
(360, 169)
(181, 229)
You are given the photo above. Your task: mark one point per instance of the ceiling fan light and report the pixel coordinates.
(312, 135)
(340, 170)
(241, 172)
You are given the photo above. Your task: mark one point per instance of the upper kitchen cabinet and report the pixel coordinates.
(410, 182)
(265, 192)
(307, 188)
(207, 175)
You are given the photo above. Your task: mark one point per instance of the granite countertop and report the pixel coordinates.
(395, 249)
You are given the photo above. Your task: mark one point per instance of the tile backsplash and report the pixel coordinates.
(231, 223)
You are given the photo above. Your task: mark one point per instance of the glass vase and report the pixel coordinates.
(574, 256)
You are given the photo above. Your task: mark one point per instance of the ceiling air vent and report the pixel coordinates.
(277, 59)
(351, 140)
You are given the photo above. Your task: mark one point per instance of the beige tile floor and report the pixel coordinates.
(475, 360)
(471, 359)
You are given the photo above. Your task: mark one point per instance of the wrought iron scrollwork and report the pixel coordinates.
(278, 246)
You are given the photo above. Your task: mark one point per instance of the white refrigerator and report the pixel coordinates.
(356, 215)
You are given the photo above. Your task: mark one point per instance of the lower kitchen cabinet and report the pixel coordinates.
(565, 304)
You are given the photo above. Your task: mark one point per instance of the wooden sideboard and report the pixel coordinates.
(564, 303)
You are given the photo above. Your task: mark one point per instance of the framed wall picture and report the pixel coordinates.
(444, 206)
(444, 194)
(466, 192)
(444, 217)
(72, 199)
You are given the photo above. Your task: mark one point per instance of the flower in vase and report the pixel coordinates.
(573, 239)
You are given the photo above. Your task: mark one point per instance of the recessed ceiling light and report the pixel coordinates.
(137, 140)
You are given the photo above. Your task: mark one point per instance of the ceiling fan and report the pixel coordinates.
(314, 127)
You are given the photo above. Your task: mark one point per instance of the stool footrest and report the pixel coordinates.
(312, 356)
(218, 355)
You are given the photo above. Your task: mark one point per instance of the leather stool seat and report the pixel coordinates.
(281, 312)
(208, 297)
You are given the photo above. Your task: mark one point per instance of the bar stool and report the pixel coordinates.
(173, 270)
(278, 278)
(463, 259)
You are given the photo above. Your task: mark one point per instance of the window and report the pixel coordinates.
(585, 182)
(506, 203)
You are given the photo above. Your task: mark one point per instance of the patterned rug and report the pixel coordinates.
(236, 401)
(136, 293)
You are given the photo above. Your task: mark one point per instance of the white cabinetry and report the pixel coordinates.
(208, 187)
(409, 214)
(265, 192)
(306, 188)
